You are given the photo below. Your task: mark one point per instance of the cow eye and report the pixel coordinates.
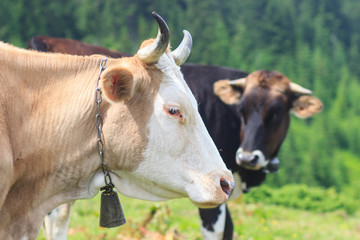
(174, 111)
(274, 116)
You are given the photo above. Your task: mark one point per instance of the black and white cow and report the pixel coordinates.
(247, 118)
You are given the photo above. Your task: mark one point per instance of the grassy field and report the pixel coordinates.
(178, 219)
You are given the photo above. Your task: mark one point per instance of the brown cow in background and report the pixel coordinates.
(70, 46)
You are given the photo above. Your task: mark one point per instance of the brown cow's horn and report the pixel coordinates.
(152, 53)
(182, 52)
(296, 88)
(241, 82)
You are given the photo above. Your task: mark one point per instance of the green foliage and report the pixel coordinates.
(314, 43)
(303, 197)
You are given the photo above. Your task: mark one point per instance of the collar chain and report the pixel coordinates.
(99, 123)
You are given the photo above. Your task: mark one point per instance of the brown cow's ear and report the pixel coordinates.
(117, 83)
(226, 92)
(306, 106)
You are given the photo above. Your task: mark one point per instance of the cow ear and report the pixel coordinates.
(117, 83)
(306, 106)
(227, 94)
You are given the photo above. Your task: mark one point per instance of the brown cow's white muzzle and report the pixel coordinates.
(251, 160)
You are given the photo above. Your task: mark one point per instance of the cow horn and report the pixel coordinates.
(152, 52)
(182, 52)
(296, 88)
(241, 82)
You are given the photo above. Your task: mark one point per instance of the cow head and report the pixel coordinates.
(172, 153)
(263, 101)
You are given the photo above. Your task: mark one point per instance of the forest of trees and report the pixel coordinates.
(313, 42)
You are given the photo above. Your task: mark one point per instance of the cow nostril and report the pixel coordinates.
(254, 160)
(224, 183)
(226, 186)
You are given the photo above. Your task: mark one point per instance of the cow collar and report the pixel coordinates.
(99, 123)
(111, 214)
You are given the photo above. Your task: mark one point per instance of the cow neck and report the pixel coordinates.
(111, 214)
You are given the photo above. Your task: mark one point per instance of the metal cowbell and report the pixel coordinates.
(111, 213)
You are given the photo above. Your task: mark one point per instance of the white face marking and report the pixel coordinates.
(180, 160)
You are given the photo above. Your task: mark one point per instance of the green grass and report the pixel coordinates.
(178, 219)
(268, 222)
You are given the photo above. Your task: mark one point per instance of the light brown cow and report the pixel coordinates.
(155, 142)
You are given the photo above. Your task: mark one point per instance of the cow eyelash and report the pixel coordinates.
(174, 111)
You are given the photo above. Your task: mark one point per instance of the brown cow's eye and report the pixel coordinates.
(274, 117)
